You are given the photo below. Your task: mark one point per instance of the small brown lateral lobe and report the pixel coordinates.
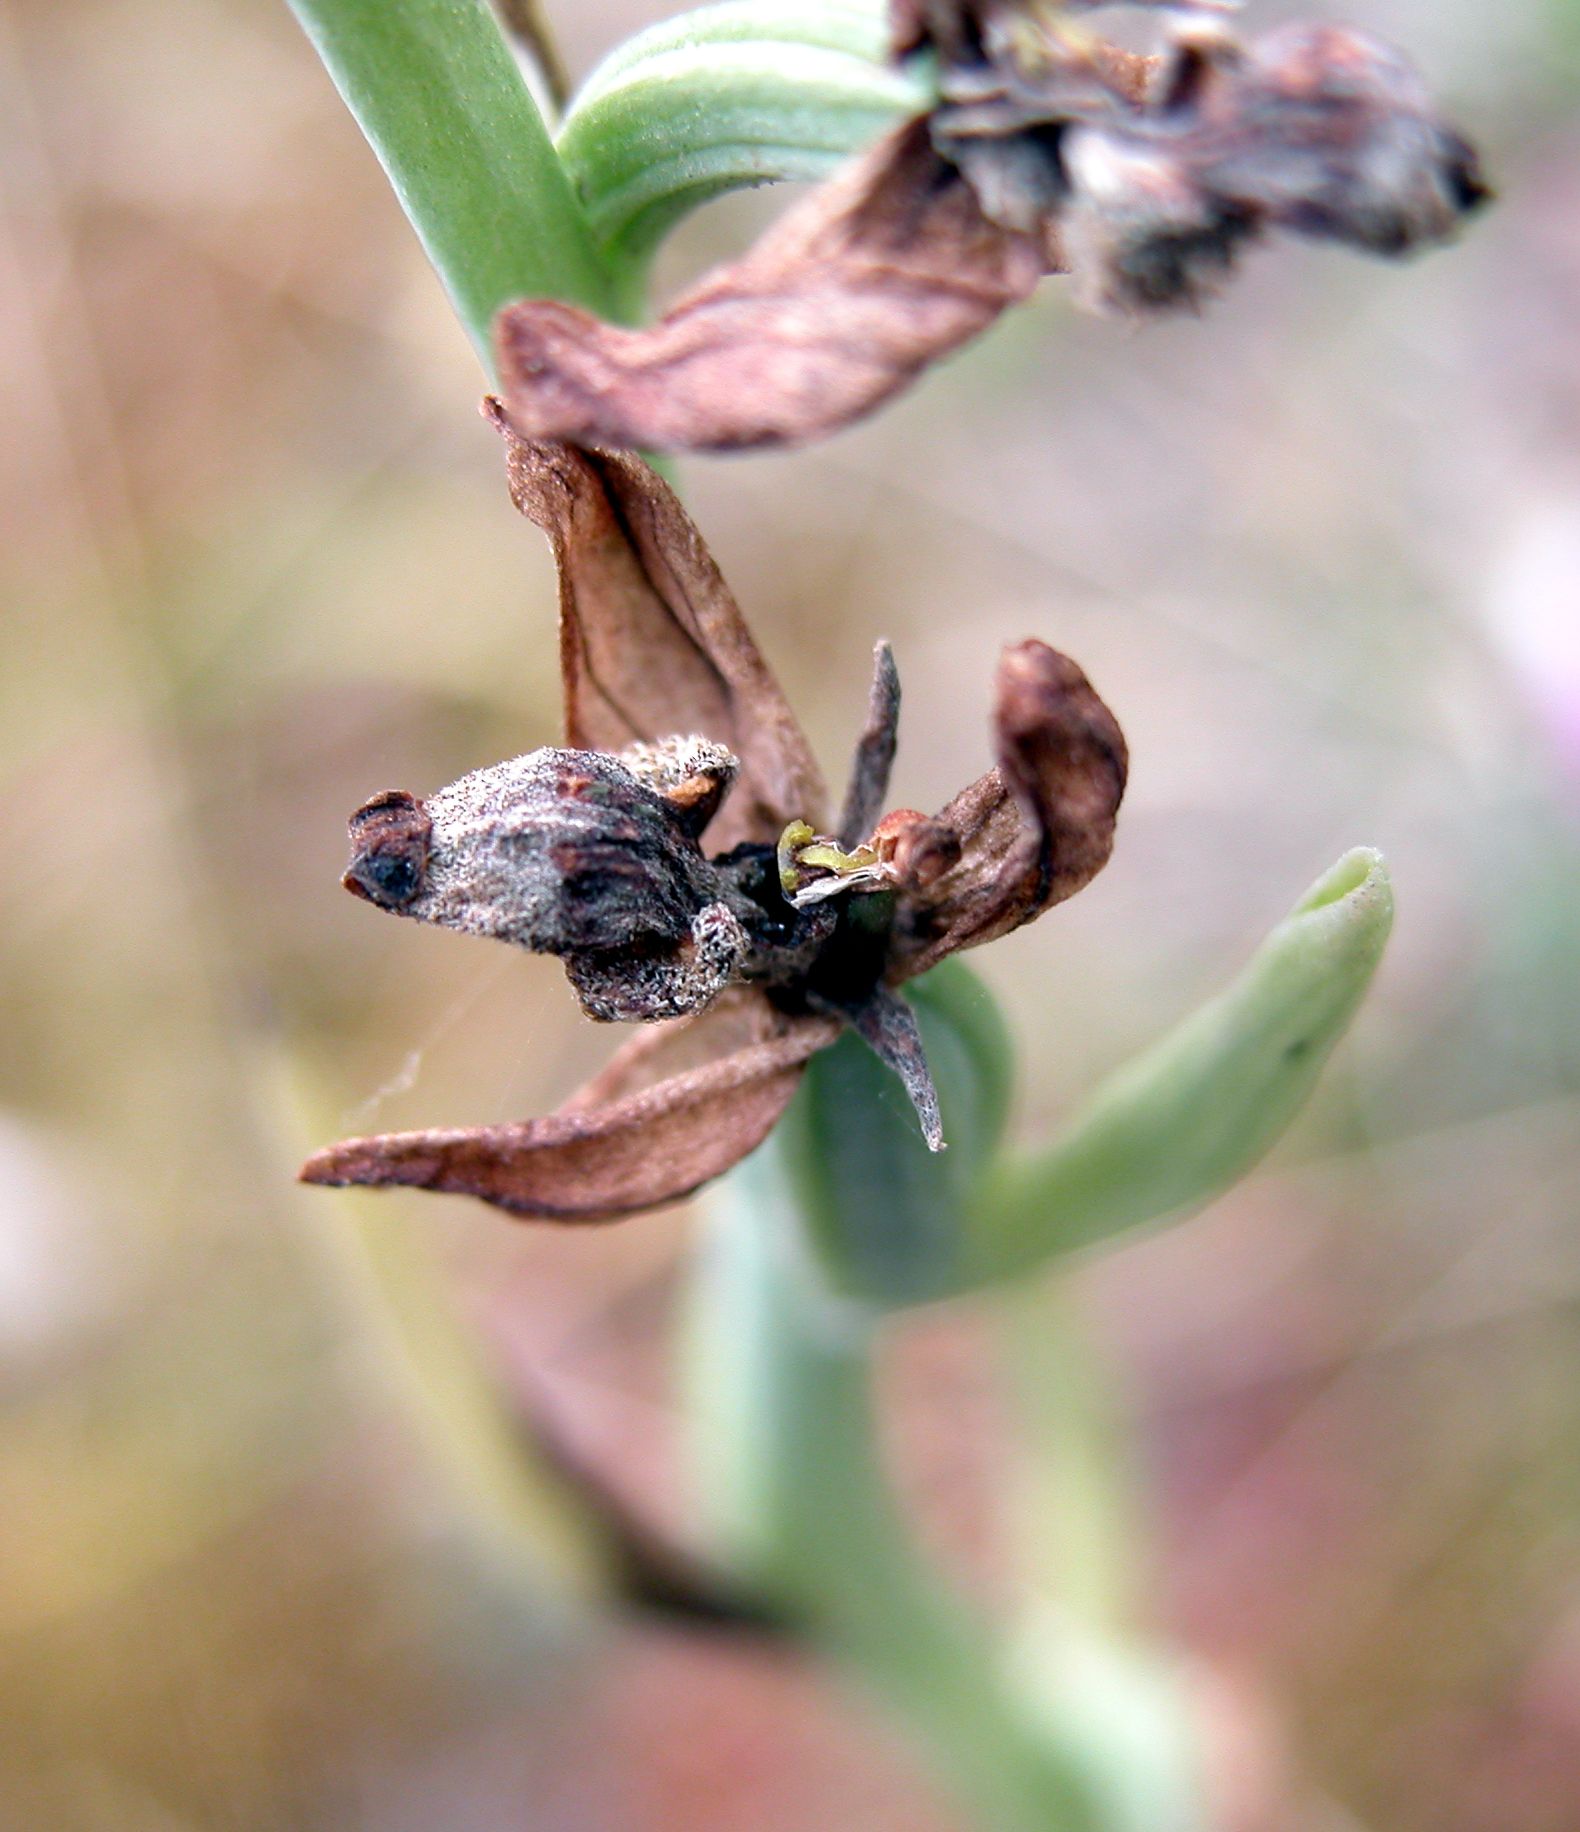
(888, 266)
(390, 839)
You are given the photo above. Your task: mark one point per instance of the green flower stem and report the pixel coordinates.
(1062, 1726)
(1085, 1629)
(1075, 1507)
(739, 94)
(435, 89)
(1193, 1114)
(781, 1409)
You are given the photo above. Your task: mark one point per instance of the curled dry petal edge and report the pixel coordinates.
(598, 1163)
(876, 274)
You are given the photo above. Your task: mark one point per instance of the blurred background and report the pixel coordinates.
(1321, 551)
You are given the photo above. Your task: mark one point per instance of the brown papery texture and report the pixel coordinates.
(877, 273)
(598, 1163)
(652, 642)
(1034, 830)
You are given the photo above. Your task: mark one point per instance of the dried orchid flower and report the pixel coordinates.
(673, 853)
(1049, 150)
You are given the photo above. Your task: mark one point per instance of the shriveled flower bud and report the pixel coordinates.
(1320, 130)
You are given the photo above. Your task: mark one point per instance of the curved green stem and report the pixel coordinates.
(435, 89)
(781, 1404)
(744, 93)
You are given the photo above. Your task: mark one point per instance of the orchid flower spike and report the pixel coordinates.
(676, 854)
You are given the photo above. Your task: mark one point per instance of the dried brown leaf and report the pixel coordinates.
(1035, 829)
(652, 642)
(877, 273)
(598, 1163)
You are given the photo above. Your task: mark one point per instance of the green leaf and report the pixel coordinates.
(886, 1218)
(435, 89)
(739, 94)
(1196, 1112)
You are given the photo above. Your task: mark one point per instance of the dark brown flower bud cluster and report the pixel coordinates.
(1316, 130)
(684, 880)
(1049, 149)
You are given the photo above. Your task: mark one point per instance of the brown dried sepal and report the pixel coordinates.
(1032, 831)
(877, 273)
(593, 1163)
(652, 642)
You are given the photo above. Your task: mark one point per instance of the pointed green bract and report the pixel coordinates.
(1182, 1122)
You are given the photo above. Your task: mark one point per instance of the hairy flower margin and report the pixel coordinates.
(1049, 150)
(670, 854)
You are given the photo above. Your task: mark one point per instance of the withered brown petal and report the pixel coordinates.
(598, 1163)
(1334, 133)
(1321, 130)
(880, 271)
(1036, 828)
(652, 642)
